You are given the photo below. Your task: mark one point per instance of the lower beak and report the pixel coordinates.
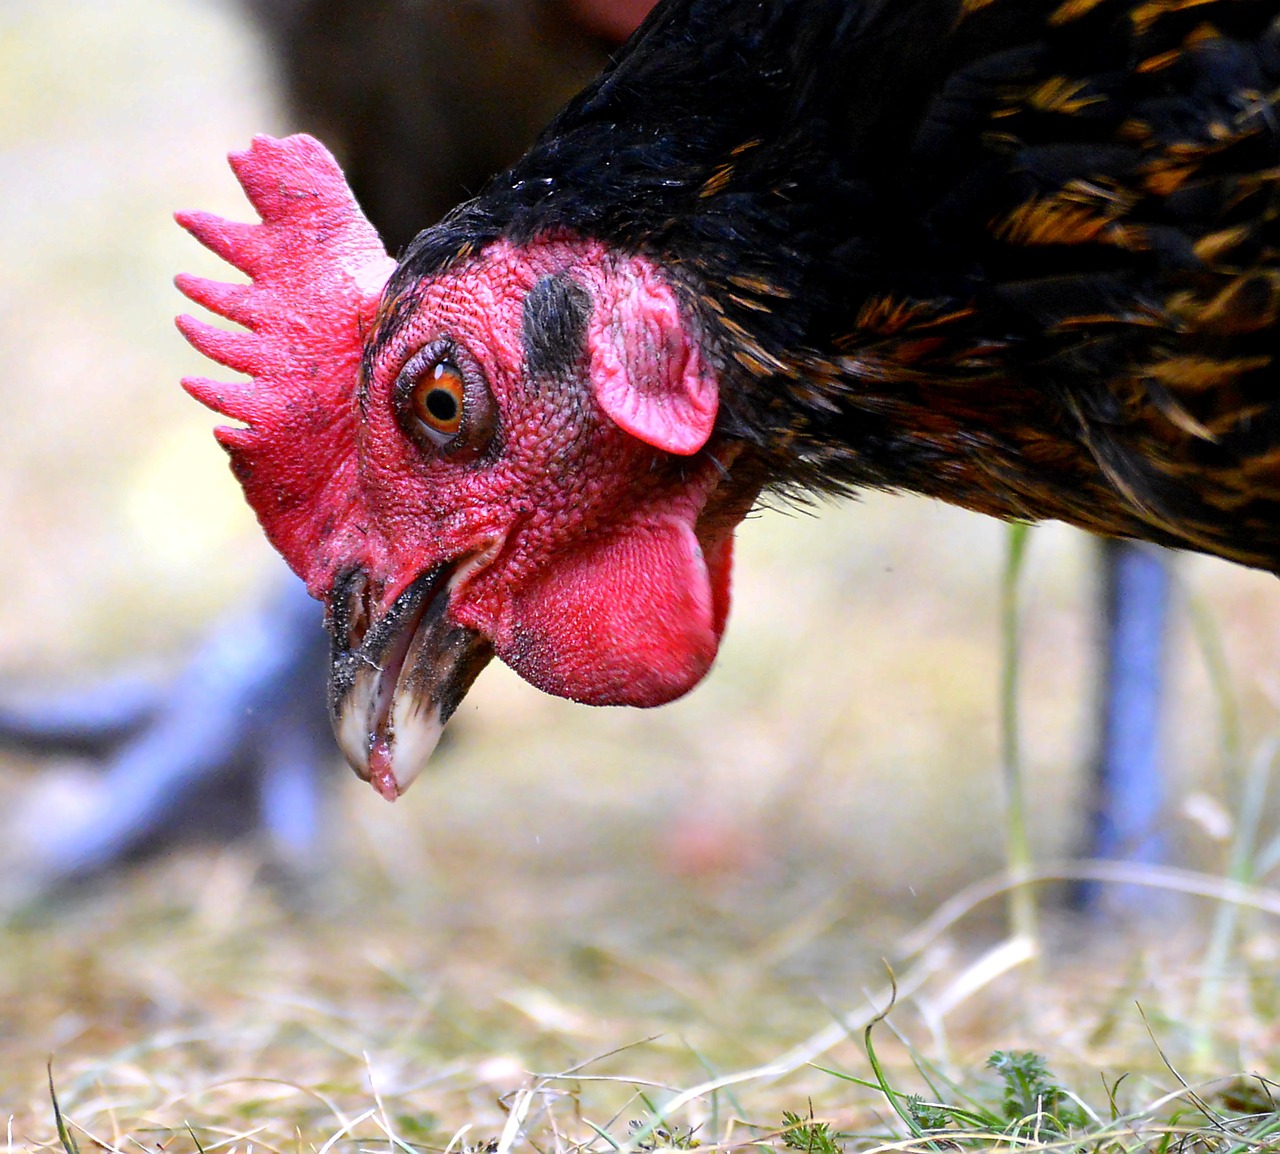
(394, 684)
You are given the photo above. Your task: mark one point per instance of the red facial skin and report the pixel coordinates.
(590, 540)
(594, 583)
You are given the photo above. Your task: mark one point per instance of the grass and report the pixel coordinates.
(191, 1027)
(1014, 1101)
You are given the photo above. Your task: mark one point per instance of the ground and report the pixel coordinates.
(706, 886)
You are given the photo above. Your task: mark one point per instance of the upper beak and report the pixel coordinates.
(394, 682)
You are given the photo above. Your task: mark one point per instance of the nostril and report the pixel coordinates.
(359, 614)
(351, 609)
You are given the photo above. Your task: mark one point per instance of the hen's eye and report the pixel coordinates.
(439, 397)
(443, 401)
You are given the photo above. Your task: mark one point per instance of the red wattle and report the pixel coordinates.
(630, 619)
(719, 556)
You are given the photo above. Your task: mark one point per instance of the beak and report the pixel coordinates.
(394, 682)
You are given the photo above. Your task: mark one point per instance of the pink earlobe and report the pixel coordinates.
(646, 367)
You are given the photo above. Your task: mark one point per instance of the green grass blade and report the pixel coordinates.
(1022, 902)
(65, 1136)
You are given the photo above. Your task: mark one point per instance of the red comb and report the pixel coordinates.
(316, 269)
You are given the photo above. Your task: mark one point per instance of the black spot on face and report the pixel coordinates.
(555, 325)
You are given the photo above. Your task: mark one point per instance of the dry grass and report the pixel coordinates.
(646, 900)
(187, 1009)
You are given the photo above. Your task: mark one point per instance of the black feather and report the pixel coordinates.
(555, 314)
(1018, 254)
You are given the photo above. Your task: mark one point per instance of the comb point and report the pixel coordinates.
(236, 243)
(239, 351)
(294, 180)
(234, 438)
(231, 301)
(240, 402)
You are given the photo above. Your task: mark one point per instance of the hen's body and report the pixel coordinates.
(1020, 256)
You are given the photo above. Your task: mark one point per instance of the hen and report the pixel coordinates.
(1020, 256)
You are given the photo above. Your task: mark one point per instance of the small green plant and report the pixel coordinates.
(808, 1134)
(1034, 1107)
(653, 1137)
(1031, 1095)
(929, 1117)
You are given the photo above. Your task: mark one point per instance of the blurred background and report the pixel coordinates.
(832, 780)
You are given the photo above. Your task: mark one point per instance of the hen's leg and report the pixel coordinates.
(1128, 788)
(241, 733)
(90, 721)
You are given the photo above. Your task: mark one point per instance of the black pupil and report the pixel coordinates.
(442, 405)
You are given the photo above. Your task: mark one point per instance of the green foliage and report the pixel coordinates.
(660, 1137)
(1031, 1095)
(1034, 1107)
(806, 1133)
(929, 1116)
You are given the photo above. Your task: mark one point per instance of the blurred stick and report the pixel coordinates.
(1247, 791)
(1120, 873)
(1022, 901)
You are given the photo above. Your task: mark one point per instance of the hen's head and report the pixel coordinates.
(512, 456)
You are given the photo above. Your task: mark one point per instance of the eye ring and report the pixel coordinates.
(443, 402)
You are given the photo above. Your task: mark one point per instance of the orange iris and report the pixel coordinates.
(438, 398)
